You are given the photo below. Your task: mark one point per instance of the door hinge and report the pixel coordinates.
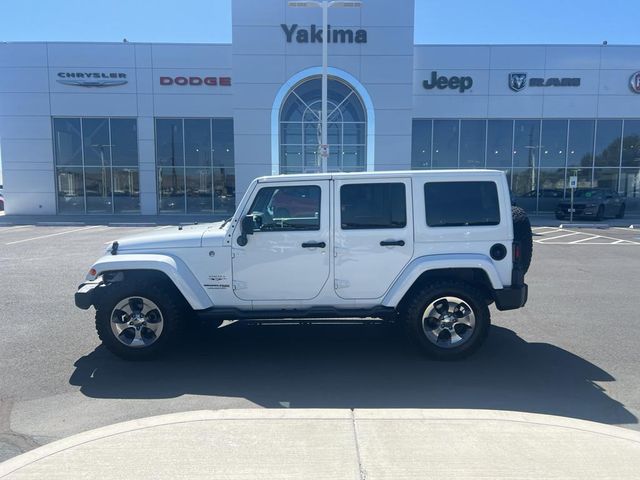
(340, 283)
(238, 285)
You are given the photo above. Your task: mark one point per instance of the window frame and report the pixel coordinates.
(426, 206)
(368, 184)
(289, 229)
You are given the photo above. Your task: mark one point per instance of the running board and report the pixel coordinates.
(385, 313)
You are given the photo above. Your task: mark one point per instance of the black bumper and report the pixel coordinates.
(511, 298)
(85, 296)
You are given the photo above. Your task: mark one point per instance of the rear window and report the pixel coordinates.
(458, 204)
(373, 205)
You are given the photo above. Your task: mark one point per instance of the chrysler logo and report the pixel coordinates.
(634, 82)
(92, 79)
(517, 81)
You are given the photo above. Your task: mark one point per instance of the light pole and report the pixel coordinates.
(323, 148)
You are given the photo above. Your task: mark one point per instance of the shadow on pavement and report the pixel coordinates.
(358, 366)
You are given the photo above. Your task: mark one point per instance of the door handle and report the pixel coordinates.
(392, 243)
(314, 245)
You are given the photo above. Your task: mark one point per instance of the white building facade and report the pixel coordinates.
(131, 128)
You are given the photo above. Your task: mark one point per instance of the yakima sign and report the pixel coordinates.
(92, 79)
(314, 34)
(454, 83)
(196, 81)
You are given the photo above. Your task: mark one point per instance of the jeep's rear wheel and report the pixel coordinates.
(448, 319)
(137, 321)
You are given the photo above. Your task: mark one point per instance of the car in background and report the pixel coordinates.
(597, 203)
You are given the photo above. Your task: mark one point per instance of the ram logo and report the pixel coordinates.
(517, 81)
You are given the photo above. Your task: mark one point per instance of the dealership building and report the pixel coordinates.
(138, 128)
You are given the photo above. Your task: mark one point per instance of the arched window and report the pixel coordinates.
(300, 133)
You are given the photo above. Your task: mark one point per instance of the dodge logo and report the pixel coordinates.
(517, 81)
(196, 81)
(634, 82)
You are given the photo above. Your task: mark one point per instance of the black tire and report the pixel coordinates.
(522, 233)
(431, 293)
(621, 211)
(600, 214)
(172, 310)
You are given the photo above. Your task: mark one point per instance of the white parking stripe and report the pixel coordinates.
(592, 237)
(559, 236)
(16, 227)
(56, 234)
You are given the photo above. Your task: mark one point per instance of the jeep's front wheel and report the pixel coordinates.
(137, 322)
(448, 320)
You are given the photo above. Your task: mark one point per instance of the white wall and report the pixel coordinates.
(603, 92)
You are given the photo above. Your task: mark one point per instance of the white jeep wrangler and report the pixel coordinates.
(427, 249)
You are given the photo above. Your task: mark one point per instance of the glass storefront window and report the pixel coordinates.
(126, 190)
(169, 142)
(171, 189)
(550, 188)
(224, 193)
(631, 144)
(98, 189)
(70, 186)
(67, 141)
(472, 143)
(606, 178)
(580, 151)
(197, 142)
(499, 143)
(199, 190)
(630, 183)
(526, 143)
(421, 144)
(608, 135)
(124, 142)
(445, 143)
(96, 142)
(523, 187)
(189, 183)
(300, 128)
(554, 143)
(91, 146)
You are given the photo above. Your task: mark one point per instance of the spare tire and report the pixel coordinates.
(522, 234)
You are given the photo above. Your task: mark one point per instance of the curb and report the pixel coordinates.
(601, 226)
(518, 420)
(60, 224)
(132, 224)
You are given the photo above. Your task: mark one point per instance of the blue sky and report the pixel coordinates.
(437, 21)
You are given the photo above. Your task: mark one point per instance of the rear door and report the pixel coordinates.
(373, 234)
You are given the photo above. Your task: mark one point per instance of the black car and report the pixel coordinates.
(596, 203)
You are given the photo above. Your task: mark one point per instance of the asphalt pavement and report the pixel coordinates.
(572, 351)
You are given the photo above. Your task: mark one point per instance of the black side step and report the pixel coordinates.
(385, 313)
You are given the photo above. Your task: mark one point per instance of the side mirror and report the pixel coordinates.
(246, 228)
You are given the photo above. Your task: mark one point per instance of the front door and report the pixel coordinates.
(373, 235)
(287, 256)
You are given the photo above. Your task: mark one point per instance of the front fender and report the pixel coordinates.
(439, 262)
(174, 268)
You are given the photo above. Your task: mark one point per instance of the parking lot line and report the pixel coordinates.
(56, 234)
(15, 227)
(559, 236)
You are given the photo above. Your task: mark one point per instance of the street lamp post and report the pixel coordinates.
(323, 148)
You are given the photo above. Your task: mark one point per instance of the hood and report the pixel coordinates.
(187, 236)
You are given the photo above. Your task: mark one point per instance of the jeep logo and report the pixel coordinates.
(454, 83)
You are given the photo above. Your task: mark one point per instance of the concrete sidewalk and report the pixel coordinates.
(336, 444)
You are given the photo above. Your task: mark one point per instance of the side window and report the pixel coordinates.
(456, 204)
(373, 205)
(286, 208)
